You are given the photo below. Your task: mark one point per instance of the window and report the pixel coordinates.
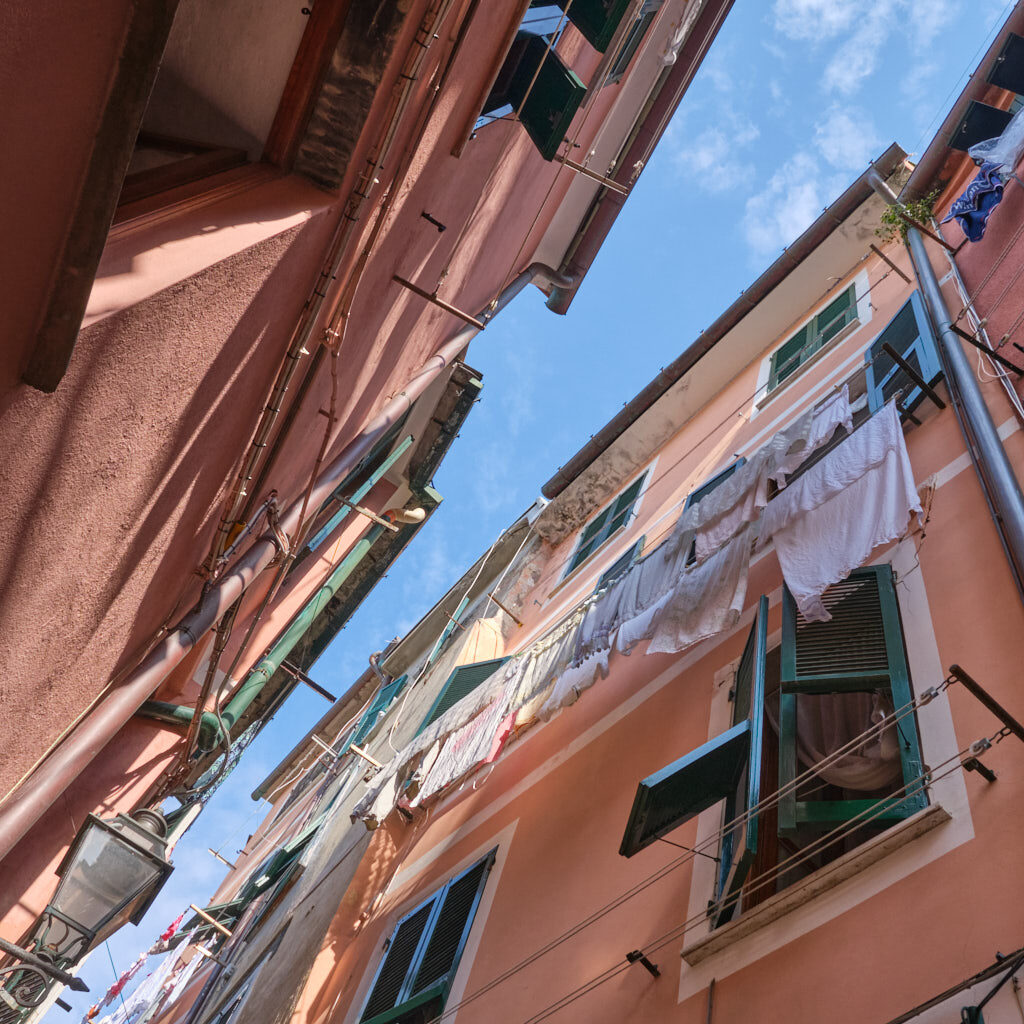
(620, 565)
(703, 491)
(909, 333)
(422, 954)
(375, 712)
(464, 680)
(812, 337)
(633, 39)
(606, 523)
(793, 706)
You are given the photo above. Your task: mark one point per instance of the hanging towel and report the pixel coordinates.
(706, 600)
(977, 202)
(827, 523)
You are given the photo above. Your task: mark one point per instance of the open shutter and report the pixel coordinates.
(739, 845)
(725, 768)
(451, 929)
(909, 333)
(390, 983)
(834, 317)
(371, 716)
(554, 97)
(860, 649)
(597, 20)
(464, 680)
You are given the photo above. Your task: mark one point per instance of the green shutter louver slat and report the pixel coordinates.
(597, 20)
(709, 485)
(391, 976)
(860, 650)
(463, 681)
(450, 930)
(739, 845)
(553, 98)
(384, 699)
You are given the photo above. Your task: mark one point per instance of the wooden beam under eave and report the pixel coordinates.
(75, 271)
(305, 79)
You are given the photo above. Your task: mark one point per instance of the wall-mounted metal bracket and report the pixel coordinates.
(637, 957)
(446, 306)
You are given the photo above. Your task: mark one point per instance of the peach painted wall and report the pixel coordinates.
(557, 801)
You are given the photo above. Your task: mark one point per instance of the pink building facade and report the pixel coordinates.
(248, 253)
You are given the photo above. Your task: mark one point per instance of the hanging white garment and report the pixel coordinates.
(572, 682)
(463, 750)
(827, 523)
(706, 600)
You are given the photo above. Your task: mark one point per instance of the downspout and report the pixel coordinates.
(998, 481)
(23, 808)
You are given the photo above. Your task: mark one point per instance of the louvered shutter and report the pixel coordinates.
(833, 318)
(739, 845)
(909, 333)
(620, 565)
(702, 492)
(451, 928)
(553, 98)
(390, 983)
(597, 20)
(786, 358)
(725, 768)
(464, 680)
(860, 649)
(384, 699)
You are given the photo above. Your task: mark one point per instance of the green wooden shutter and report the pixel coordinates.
(620, 565)
(727, 767)
(834, 317)
(739, 845)
(463, 681)
(597, 20)
(384, 699)
(553, 98)
(909, 333)
(787, 357)
(451, 928)
(860, 649)
(702, 492)
(390, 983)
(605, 523)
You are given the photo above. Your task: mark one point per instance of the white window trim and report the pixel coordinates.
(938, 742)
(763, 399)
(647, 473)
(500, 843)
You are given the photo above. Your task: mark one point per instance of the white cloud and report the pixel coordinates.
(846, 138)
(815, 19)
(795, 194)
(714, 156)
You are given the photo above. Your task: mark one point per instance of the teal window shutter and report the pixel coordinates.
(859, 650)
(607, 522)
(551, 102)
(620, 565)
(597, 20)
(463, 681)
(725, 768)
(739, 845)
(702, 492)
(384, 699)
(909, 333)
(813, 336)
(424, 950)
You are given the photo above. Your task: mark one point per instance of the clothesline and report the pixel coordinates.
(673, 604)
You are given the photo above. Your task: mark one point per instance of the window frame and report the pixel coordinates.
(812, 346)
(642, 23)
(604, 534)
(406, 1000)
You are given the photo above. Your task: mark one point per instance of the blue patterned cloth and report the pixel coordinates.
(979, 199)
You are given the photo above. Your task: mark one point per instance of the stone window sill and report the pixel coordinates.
(821, 881)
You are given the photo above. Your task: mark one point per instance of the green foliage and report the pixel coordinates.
(893, 224)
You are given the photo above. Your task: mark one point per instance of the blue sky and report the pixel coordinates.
(794, 99)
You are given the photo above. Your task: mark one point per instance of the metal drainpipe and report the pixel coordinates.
(998, 481)
(24, 807)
